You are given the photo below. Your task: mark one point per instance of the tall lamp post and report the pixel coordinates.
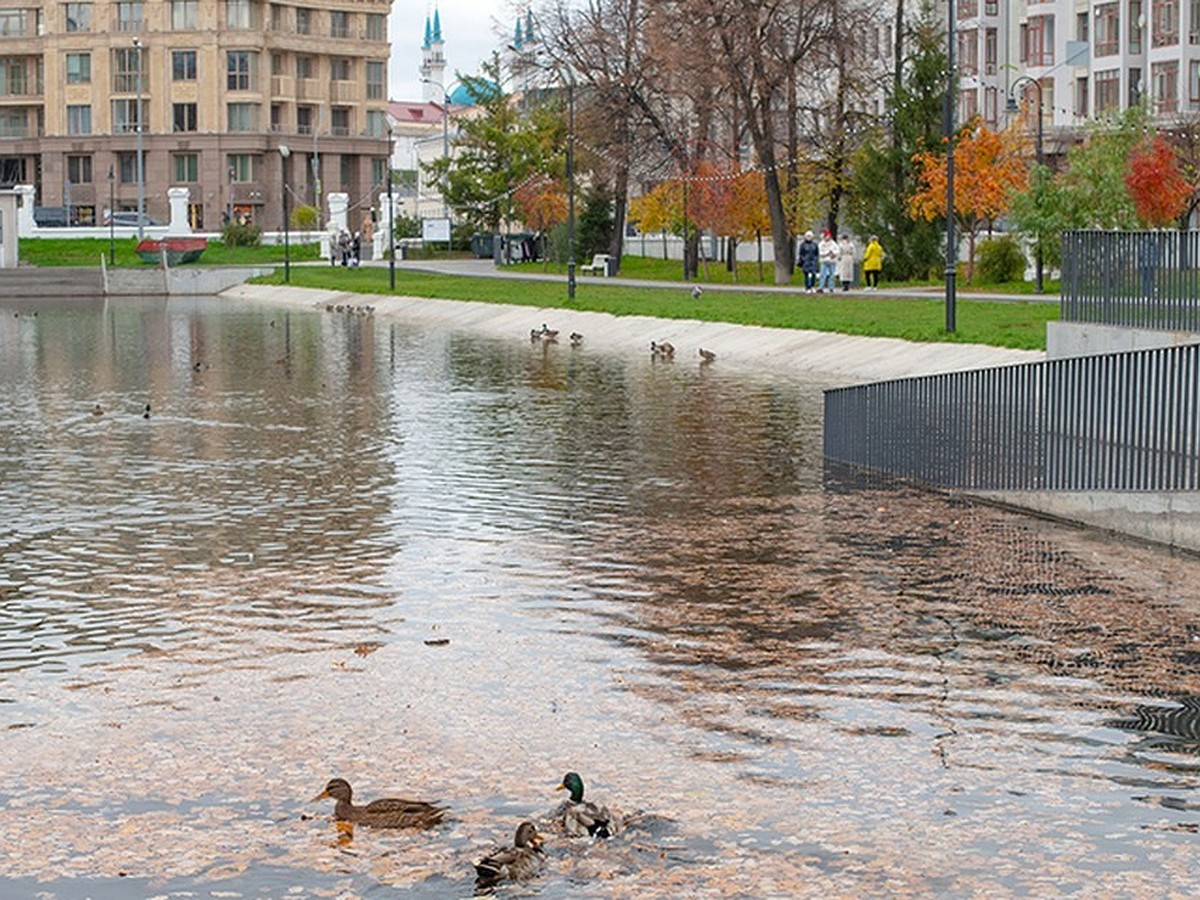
(391, 215)
(112, 219)
(141, 174)
(571, 185)
(951, 237)
(1012, 107)
(284, 153)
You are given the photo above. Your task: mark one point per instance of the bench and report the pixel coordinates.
(598, 266)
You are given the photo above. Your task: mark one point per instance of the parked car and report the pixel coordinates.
(130, 219)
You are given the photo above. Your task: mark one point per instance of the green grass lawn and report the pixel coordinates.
(1009, 323)
(87, 252)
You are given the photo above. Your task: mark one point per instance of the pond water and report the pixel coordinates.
(247, 549)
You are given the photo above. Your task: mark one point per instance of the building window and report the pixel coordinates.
(242, 116)
(989, 51)
(79, 120)
(1081, 97)
(240, 68)
(968, 51)
(1108, 29)
(79, 68)
(991, 7)
(1108, 90)
(125, 61)
(304, 120)
(243, 166)
(1165, 78)
(968, 104)
(277, 117)
(1194, 24)
(1135, 87)
(196, 216)
(78, 17)
(125, 115)
(79, 169)
(376, 27)
(183, 15)
(13, 124)
(239, 14)
(305, 67)
(183, 65)
(187, 167)
(304, 19)
(13, 80)
(1039, 41)
(13, 23)
(1135, 26)
(278, 64)
(1194, 83)
(339, 24)
(376, 76)
(129, 15)
(183, 116)
(377, 121)
(127, 167)
(278, 16)
(339, 69)
(339, 121)
(379, 169)
(1081, 27)
(1164, 23)
(968, 9)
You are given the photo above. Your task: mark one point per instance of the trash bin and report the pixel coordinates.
(610, 265)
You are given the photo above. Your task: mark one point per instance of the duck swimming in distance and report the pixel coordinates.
(387, 812)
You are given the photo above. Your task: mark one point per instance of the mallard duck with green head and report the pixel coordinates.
(579, 817)
(387, 812)
(516, 863)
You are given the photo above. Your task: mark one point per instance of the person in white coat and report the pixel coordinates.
(828, 252)
(846, 254)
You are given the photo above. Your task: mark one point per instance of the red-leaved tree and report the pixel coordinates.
(1155, 183)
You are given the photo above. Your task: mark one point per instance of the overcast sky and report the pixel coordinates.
(471, 30)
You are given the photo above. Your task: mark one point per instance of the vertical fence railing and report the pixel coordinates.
(1138, 279)
(1120, 422)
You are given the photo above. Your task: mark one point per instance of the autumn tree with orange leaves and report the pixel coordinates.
(1156, 184)
(989, 167)
(541, 203)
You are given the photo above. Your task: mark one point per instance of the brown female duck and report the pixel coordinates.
(387, 812)
(520, 861)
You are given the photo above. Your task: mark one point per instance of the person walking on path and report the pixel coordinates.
(846, 253)
(828, 250)
(808, 258)
(873, 263)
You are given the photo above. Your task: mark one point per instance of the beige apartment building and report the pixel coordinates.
(223, 86)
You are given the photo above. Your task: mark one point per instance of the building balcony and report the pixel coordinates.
(343, 91)
(283, 86)
(309, 89)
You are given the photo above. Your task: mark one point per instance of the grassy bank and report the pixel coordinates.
(1014, 324)
(46, 252)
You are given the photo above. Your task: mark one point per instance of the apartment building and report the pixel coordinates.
(218, 88)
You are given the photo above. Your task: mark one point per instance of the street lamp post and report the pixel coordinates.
(951, 237)
(284, 153)
(1011, 107)
(229, 212)
(391, 215)
(571, 186)
(141, 175)
(112, 219)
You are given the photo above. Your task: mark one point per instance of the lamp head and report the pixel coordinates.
(285, 151)
(1011, 106)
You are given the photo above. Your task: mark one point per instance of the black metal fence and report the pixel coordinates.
(1121, 422)
(1139, 279)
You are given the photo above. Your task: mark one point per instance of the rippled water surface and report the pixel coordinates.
(453, 568)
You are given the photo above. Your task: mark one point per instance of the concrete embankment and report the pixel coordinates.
(831, 358)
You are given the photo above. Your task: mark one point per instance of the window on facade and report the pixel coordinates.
(1194, 83)
(376, 122)
(186, 167)
(376, 27)
(1194, 24)
(129, 16)
(1081, 97)
(243, 166)
(1039, 40)
(968, 104)
(968, 9)
(304, 119)
(13, 23)
(1081, 26)
(1135, 87)
(968, 51)
(78, 16)
(79, 120)
(379, 170)
(989, 51)
(306, 67)
(183, 65)
(13, 82)
(278, 16)
(1135, 26)
(1108, 90)
(79, 169)
(1164, 23)
(183, 117)
(339, 24)
(240, 66)
(276, 117)
(183, 15)
(1164, 77)
(127, 167)
(242, 116)
(304, 17)
(278, 64)
(339, 69)
(125, 61)
(339, 121)
(79, 68)
(991, 105)
(239, 14)
(13, 123)
(376, 76)
(1108, 29)
(125, 115)
(991, 7)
